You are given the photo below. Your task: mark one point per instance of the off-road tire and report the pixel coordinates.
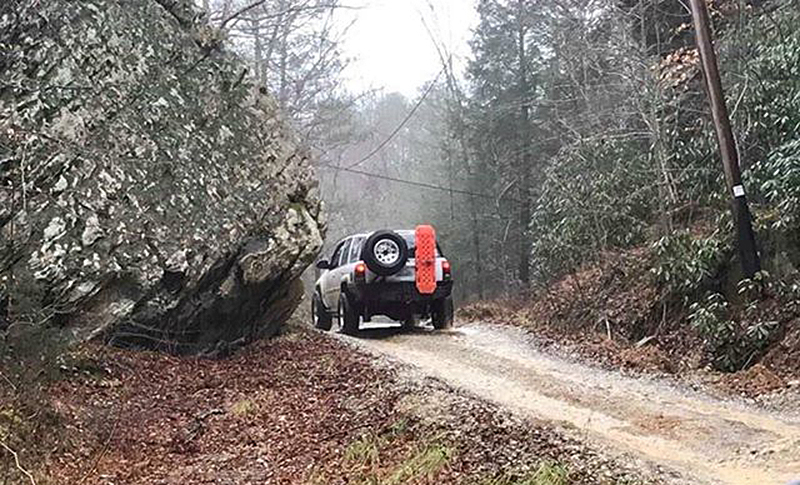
(322, 320)
(442, 313)
(348, 315)
(385, 253)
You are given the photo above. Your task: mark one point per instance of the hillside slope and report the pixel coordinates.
(618, 311)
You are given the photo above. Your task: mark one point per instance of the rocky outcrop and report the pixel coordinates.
(149, 194)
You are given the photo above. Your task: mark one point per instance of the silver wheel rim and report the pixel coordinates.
(387, 252)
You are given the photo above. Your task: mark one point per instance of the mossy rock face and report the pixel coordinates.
(149, 194)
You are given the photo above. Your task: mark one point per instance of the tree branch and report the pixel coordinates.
(258, 3)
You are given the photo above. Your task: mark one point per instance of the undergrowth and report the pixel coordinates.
(373, 457)
(548, 473)
(32, 358)
(736, 335)
(685, 264)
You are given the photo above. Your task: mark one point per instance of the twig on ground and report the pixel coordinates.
(346, 431)
(8, 381)
(198, 426)
(102, 452)
(212, 412)
(17, 463)
(107, 443)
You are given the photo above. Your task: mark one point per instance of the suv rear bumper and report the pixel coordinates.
(405, 292)
(397, 300)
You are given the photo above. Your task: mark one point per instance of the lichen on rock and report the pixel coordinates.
(149, 193)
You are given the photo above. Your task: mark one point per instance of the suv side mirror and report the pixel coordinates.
(323, 264)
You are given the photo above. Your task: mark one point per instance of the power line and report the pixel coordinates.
(462, 191)
(413, 183)
(402, 124)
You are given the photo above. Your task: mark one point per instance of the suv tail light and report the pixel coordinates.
(360, 272)
(446, 269)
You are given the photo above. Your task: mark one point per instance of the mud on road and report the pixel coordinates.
(702, 439)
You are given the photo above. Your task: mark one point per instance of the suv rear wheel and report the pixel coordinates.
(442, 313)
(348, 316)
(322, 320)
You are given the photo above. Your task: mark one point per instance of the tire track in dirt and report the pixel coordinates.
(706, 440)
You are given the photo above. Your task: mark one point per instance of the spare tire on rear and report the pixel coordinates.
(385, 253)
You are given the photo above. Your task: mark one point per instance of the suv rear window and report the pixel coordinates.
(411, 242)
(355, 250)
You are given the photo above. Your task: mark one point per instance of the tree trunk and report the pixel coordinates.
(525, 158)
(476, 247)
(258, 51)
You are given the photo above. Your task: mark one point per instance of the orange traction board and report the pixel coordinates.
(425, 258)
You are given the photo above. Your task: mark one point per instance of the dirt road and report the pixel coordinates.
(704, 440)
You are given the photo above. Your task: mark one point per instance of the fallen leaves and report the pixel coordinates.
(610, 312)
(303, 408)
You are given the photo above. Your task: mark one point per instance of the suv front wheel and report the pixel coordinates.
(322, 320)
(442, 313)
(348, 316)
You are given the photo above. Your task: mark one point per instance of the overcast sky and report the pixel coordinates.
(391, 48)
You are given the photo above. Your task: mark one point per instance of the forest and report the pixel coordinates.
(576, 132)
(172, 170)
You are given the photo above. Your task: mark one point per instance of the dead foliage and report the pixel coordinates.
(615, 295)
(303, 408)
(270, 414)
(752, 382)
(647, 358)
(603, 311)
(611, 311)
(784, 357)
(492, 310)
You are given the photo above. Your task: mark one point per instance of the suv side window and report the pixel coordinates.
(337, 253)
(355, 250)
(345, 252)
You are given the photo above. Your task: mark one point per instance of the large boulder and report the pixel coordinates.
(149, 193)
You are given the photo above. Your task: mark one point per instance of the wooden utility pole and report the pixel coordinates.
(727, 145)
